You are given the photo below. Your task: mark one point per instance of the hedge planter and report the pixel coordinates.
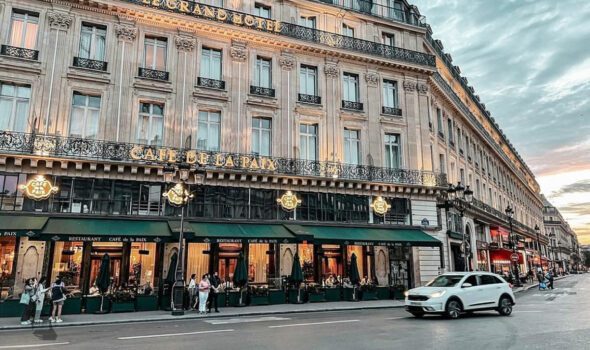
(318, 297)
(93, 305)
(383, 293)
(234, 298)
(276, 297)
(11, 308)
(146, 303)
(348, 294)
(369, 295)
(333, 294)
(293, 296)
(123, 306)
(72, 306)
(398, 294)
(259, 300)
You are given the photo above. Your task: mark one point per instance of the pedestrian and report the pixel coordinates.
(204, 287)
(40, 299)
(550, 278)
(192, 292)
(27, 299)
(58, 297)
(530, 276)
(214, 294)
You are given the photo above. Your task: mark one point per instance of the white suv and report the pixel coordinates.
(456, 292)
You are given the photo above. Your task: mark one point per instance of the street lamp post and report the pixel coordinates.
(552, 245)
(510, 213)
(538, 232)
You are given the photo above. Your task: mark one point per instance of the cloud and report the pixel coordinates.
(579, 186)
(576, 209)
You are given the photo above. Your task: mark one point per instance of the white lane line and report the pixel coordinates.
(519, 311)
(32, 345)
(311, 324)
(174, 334)
(395, 318)
(246, 320)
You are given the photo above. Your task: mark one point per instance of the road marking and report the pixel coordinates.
(395, 318)
(246, 320)
(32, 345)
(519, 311)
(311, 324)
(174, 334)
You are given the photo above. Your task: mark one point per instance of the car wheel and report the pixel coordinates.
(453, 309)
(505, 308)
(418, 314)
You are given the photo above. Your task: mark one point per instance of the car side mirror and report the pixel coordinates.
(466, 285)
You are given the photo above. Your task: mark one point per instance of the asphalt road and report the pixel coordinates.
(558, 319)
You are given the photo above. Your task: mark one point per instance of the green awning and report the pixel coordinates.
(21, 225)
(211, 232)
(105, 230)
(366, 235)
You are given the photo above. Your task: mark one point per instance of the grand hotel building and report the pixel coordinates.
(338, 101)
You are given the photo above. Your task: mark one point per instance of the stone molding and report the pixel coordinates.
(238, 53)
(125, 33)
(287, 62)
(372, 79)
(185, 44)
(409, 86)
(422, 88)
(59, 21)
(331, 70)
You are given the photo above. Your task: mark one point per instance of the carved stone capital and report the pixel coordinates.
(125, 33)
(287, 62)
(331, 70)
(59, 21)
(238, 53)
(372, 79)
(184, 43)
(409, 86)
(422, 88)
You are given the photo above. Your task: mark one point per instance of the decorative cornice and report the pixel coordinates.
(372, 79)
(287, 62)
(59, 21)
(409, 86)
(125, 33)
(238, 52)
(184, 43)
(422, 88)
(331, 70)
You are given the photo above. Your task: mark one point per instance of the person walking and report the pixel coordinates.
(58, 297)
(40, 299)
(550, 278)
(27, 299)
(214, 294)
(204, 287)
(192, 292)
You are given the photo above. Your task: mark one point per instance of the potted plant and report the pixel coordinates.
(123, 300)
(147, 300)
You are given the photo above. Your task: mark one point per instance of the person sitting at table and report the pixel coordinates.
(365, 281)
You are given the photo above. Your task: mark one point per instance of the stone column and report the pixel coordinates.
(373, 147)
(241, 84)
(184, 82)
(422, 128)
(332, 107)
(412, 116)
(123, 74)
(287, 63)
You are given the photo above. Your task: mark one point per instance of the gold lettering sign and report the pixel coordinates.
(38, 188)
(380, 206)
(178, 195)
(289, 201)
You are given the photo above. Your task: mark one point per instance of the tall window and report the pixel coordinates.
(307, 21)
(151, 124)
(392, 151)
(351, 87)
(450, 131)
(441, 161)
(211, 64)
(439, 121)
(308, 141)
(390, 93)
(92, 42)
(209, 133)
(308, 83)
(261, 136)
(388, 39)
(14, 107)
(85, 116)
(352, 146)
(347, 30)
(263, 73)
(261, 10)
(155, 53)
(23, 31)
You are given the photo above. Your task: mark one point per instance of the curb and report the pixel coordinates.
(192, 317)
(524, 289)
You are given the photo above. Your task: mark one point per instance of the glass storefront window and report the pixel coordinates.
(228, 259)
(7, 251)
(360, 258)
(332, 260)
(115, 251)
(67, 263)
(197, 260)
(142, 262)
(258, 261)
(305, 251)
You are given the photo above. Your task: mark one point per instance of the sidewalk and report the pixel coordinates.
(535, 284)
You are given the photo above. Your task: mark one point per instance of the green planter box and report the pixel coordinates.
(146, 303)
(165, 302)
(11, 308)
(333, 294)
(276, 297)
(221, 299)
(234, 298)
(347, 294)
(127, 306)
(93, 304)
(369, 295)
(316, 297)
(293, 296)
(72, 306)
(259, 300)
(398, 294)
(383, 293)
(46, 311)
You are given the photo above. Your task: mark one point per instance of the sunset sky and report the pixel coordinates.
(529, 60)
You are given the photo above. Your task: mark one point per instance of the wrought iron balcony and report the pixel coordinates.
(262, 91)
(211, 83)
(383, 11)
(109, 151)
(355, 106)
(87, 63)
(19, 52)
(153, 74)
(392, 111)
(312, 99)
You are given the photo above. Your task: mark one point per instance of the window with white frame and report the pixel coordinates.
(450, 131)
(308, 80)
(439, 121)
(347, 30)
(388, 39)
(23, 30)
(442, 163)
(209, 131)
(390, 94)
(261, 10)
(350, 87)
(92, 42)
(155, 53)
(392, 151)
(308, 21)
(308, 141)
(261, 136)
(263, 72)
(352, 146)
(85, 116)
(211, 64)
(14, 107)
(151, 123)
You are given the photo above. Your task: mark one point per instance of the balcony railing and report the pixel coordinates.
(393, 111)
(211, 83)
(502, 216)
(368, 7)
(19, 52)
(153, 74)
(355, 106)
(87, 63)
(312, 99)
(77, 148)
(262, 91)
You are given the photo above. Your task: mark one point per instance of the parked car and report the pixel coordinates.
(454, 293)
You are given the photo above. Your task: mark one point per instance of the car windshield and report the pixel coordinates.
(445, 281)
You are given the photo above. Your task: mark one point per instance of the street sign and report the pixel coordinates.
(514, 257)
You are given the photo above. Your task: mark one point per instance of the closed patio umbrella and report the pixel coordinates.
(103, 280)
(296, 276)
(354, 275)
(240, 275)
(171, 275)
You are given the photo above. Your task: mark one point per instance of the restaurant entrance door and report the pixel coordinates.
(115, 251)
(228, 259)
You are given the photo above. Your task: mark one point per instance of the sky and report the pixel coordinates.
(529, 60)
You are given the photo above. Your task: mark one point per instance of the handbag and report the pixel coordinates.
(25, 298)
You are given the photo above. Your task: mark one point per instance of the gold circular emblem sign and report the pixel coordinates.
(178, 195)
(289, 201)
(380, 206)
(38, 188)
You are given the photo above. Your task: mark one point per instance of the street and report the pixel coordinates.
(558, 319)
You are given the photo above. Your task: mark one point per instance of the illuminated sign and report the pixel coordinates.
(380, 206)
(178, 195)
(289, 201)
(38, 188)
